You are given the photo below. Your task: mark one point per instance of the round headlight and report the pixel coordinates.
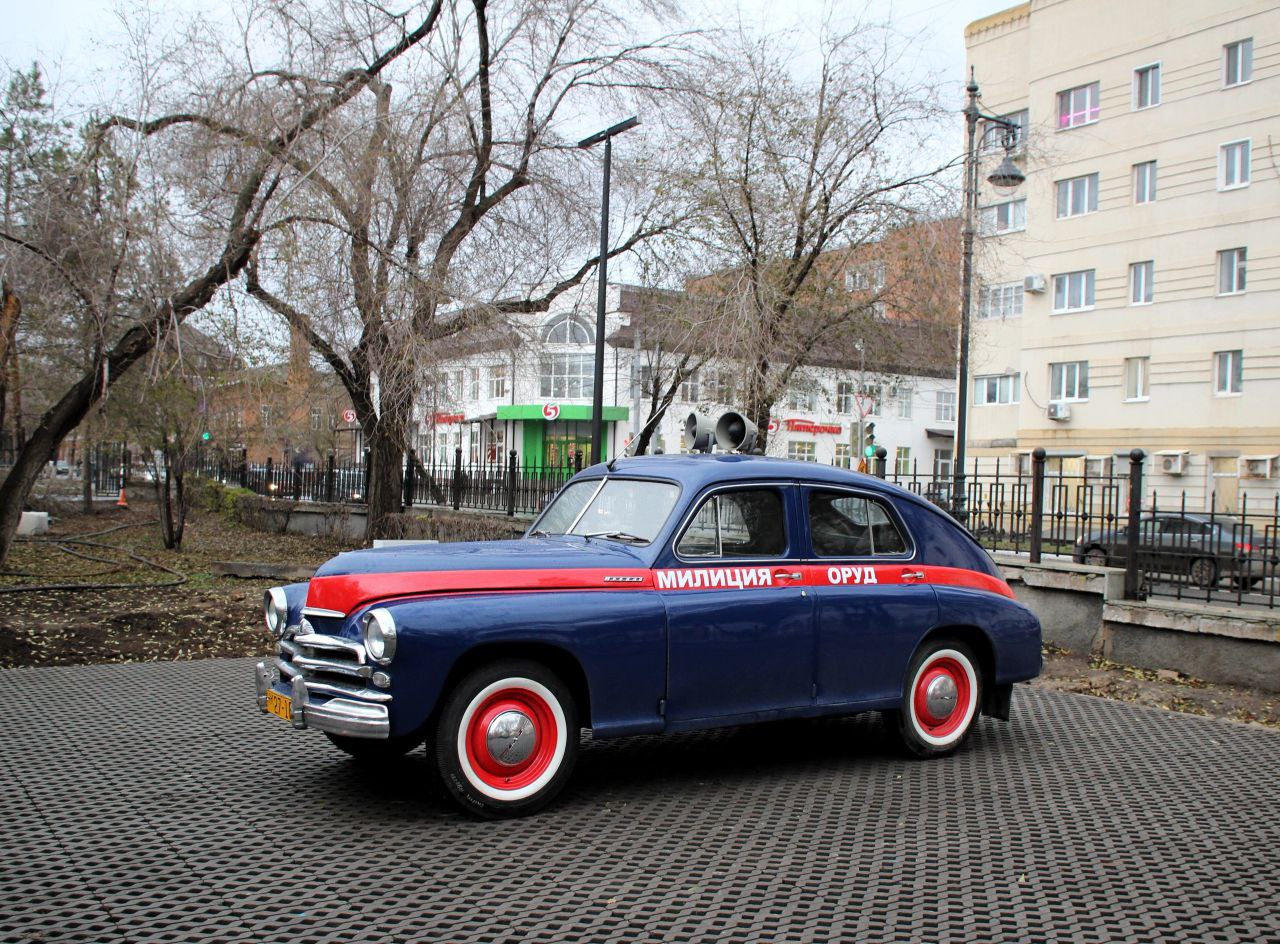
(380, 635)
(275, 607)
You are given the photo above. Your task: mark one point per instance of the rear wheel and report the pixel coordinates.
(507, 738)
(1204, 572)
(939, 701)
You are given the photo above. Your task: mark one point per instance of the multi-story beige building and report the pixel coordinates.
(1128, 293)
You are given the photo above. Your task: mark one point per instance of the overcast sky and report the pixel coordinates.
(73, 38)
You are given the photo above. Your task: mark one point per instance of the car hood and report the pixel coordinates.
(357, 578)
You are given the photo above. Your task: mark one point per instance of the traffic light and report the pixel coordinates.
(870, 439)
(205, 436)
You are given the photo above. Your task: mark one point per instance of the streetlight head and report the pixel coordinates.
(1007, 175)
(607, 133)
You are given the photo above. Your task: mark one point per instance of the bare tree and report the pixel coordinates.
(156, 214)
(800, 183)
(448, 203)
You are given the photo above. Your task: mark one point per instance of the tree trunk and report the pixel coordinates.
(386, 459)
(86, 476)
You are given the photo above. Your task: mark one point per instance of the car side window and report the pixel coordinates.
(747, 523)
(843, 525)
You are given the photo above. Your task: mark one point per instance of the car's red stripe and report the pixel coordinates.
(346, 592)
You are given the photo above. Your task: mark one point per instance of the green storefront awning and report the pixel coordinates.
(568, 411)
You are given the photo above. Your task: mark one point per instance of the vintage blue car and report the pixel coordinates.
(659, 593)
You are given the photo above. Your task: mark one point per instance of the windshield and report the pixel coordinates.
(627, 510)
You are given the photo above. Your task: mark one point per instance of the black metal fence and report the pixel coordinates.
(508, 486)
(1041, 507)
(1165, 544)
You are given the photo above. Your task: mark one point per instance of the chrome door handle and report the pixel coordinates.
(788, 575)
(913, 575)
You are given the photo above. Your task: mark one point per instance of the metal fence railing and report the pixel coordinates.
(1038, 508)
(1167, 547)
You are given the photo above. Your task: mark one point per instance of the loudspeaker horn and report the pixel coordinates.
(698, 432)
(736, 433)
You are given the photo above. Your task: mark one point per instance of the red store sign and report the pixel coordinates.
(808, 426)
(444, 419)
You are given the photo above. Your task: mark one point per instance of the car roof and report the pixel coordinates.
(699, 469)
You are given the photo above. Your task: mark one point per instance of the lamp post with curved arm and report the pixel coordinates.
(1005, 176)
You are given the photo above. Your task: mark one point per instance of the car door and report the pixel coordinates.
(740, 623)
(872, 599)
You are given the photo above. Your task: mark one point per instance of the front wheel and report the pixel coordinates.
(507, 738)
(939, 701)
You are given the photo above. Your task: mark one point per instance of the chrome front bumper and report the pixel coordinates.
(342, 716)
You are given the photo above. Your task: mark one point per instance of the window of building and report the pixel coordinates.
(1228, 373)
(1237, 62)
(942, 464)
(454, 385)
(1142, 282)
(844, 397)
(567, 376)
(871, 397)
(1077, 195)
(473, 383)
(1144, 182)
(902, 460)
(1231, 266)
(1000, 301)
(901, 398)
(317, 418)
(1146, 86)
(805, 451)
(993, 135)
(690, 388)
(802, 400)
(996, 389)
(1007, 217)
(843, 525)
(498, 381)
(1078, 106)
(1073, 291)
(844, 455)
(646, 380)
(1233, 164)
(566, 329)
(863, 278)
(944, 410)
(1069, 381)
(722, 387)
(1137, 371)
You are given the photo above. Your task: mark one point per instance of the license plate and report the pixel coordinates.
(280, 705)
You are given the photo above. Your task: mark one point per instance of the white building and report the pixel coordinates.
(530, 390)
(1129, 290)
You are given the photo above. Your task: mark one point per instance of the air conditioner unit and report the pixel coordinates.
(1258, 467)
(1173, 463)
(1059, 411)
(1034, 284)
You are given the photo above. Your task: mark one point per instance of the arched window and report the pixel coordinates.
(566, 329)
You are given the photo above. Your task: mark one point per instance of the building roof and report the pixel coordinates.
(1012, 14)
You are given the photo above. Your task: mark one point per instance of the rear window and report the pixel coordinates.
(844, 525)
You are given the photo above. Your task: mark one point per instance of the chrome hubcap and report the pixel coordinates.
(510, 738)
(940, 697)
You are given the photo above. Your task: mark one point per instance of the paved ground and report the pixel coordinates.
(154, 803)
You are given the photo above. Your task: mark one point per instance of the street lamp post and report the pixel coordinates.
(1007, 175)
(597, 398)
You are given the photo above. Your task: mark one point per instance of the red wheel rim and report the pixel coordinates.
(511, 776)
(949, 668)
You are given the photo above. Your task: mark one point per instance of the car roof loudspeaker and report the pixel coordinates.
(736, 433)
(698, 432)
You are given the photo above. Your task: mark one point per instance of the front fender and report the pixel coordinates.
(617, 638)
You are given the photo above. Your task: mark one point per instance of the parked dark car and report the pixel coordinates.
(1202, 547)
